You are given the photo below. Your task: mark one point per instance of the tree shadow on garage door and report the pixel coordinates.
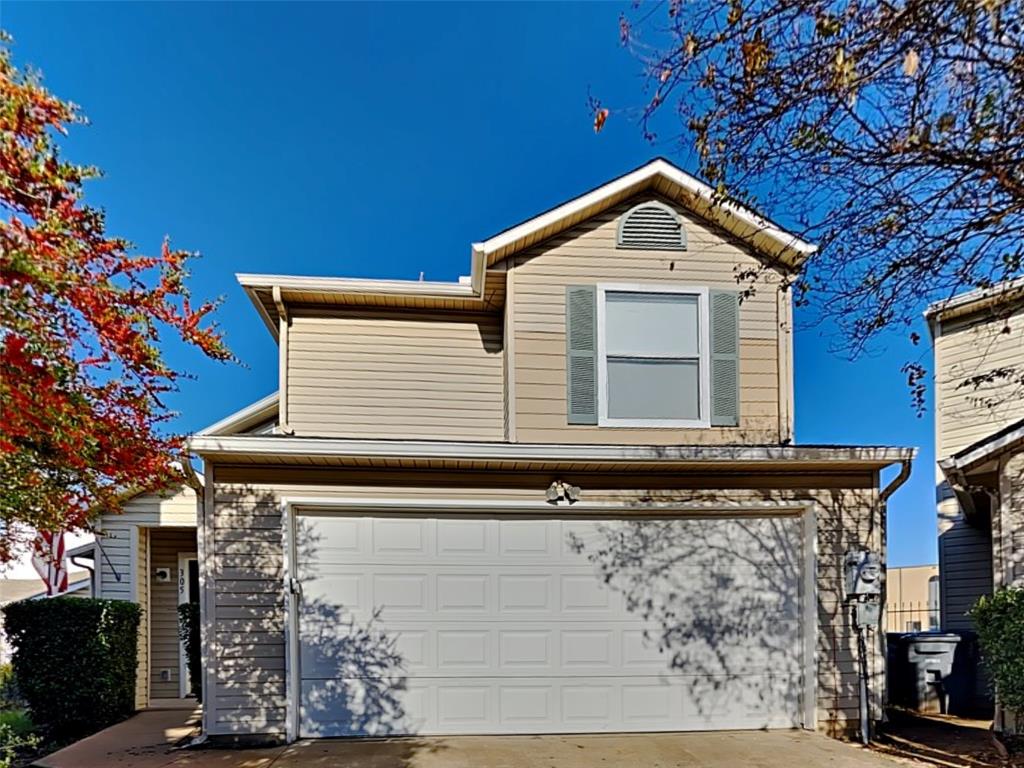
(353, 677)
(722, 603)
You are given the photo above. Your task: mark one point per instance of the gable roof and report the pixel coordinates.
(245, 419)
(670, 181)
(270, 293)
(1009, 438)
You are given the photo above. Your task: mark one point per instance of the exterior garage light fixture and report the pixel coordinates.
(562, 491)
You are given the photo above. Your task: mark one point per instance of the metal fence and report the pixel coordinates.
(911, 617)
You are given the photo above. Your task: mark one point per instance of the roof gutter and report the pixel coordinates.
(273, 446)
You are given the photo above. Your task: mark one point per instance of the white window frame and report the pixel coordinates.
(703, 357)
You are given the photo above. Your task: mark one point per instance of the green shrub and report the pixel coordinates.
(75, 660)
(9, 697)
(15, 736)
(188, 631)
(999, 619)
(16, 721)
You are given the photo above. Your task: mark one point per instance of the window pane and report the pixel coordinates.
(653, 389)
(651, 324)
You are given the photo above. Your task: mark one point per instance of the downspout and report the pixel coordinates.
(191, 476)
(283, 322)
(861, 629)
(896, 482)
(92, 572)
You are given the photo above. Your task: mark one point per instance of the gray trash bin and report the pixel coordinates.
(925, 660)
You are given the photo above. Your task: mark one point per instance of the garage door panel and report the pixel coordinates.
(476, 625)
(527, 538)
(523, 594)
(330, 539)
(465, 538)
(402, 536)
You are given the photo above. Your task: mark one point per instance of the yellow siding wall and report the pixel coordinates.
(974, 347)
(587, 255)
(395, 374)
(248, 616)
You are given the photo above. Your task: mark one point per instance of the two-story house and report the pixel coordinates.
(559, 495)
(978, 340)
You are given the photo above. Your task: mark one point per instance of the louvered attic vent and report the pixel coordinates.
(652, 226)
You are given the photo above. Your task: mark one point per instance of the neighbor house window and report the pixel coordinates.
(653, 363)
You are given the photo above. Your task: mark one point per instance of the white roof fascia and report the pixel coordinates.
(81, 550)
(422, 449)
(416, 288)
(969, 297)
(357, 285)
(659, 167)
(983, 452)
(253, 414)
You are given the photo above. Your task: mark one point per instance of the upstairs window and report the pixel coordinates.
(653, 356)
(651, 226)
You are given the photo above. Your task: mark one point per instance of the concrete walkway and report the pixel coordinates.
(146, 741)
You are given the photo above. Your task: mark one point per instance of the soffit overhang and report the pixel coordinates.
(311, 451)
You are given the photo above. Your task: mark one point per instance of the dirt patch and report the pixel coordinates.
(946, 741)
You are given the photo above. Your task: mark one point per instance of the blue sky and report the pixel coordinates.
(380, 141)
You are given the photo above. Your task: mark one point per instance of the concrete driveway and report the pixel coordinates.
(148, 741)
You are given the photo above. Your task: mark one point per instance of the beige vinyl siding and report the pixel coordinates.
(587, 255)
(248, 689)
(355, 373)
(174, 508)
(164, 547)
(140, 574)
(973, 347)
(116, 580)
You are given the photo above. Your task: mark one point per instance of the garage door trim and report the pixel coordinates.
(292, 506)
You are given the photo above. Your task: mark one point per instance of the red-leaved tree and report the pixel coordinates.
(81, 370)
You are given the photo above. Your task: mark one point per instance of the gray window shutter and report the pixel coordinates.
(581, 353)
(725, 358)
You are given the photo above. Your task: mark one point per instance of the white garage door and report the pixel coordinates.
(486, 625)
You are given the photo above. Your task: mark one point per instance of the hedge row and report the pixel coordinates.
(999, 618)
(75, 660)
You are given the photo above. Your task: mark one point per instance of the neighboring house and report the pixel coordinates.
(979, 434)
(558, 496)
(912, 598)
(147, 554)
